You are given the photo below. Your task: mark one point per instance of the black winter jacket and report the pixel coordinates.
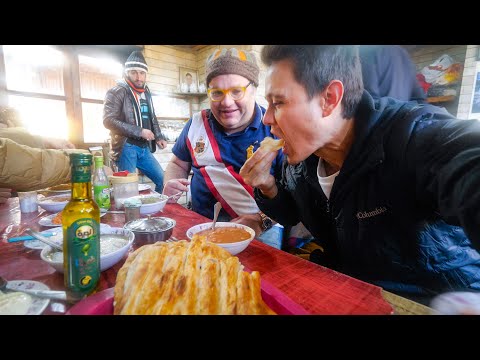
(120, 117)
(404, 211)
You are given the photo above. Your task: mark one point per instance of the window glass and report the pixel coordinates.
(42, 117)
(93, 129)
(166, 106)
(34, 68)
(97, 76)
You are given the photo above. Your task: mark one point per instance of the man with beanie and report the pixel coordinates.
(215, 141)
(129, 115)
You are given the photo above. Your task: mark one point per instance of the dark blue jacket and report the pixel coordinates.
(403, 204)
(388, 70)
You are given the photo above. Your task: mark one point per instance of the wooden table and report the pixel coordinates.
(317, 289)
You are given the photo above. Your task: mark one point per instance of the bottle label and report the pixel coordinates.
(81, 174)
(82, 266)
(102, 196)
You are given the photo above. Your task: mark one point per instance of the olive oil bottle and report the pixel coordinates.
(81, 232)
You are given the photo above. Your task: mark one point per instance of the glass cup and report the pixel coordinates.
(132, 212)
(28, 201)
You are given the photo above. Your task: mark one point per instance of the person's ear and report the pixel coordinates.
(332, 97)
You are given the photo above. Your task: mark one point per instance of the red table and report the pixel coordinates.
(317, 289)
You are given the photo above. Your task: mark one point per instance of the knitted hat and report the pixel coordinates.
(136, 61)
(232, 61)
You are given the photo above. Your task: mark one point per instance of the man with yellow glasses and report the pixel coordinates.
(214, 142)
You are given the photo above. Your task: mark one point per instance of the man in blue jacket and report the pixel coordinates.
(391, 189)
(388, 70)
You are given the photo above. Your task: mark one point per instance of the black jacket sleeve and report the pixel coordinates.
(447, 167)
(282, 208)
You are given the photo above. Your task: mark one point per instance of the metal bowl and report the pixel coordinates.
(150, 230)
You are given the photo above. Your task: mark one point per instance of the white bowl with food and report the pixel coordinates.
(231, 236)
(54, 203)
(114, 244)
(151, 203)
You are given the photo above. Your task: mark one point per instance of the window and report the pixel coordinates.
(97, 75)
(59, 89)
(34, 68)
(34, 81)
(42, 117)
(93, 129)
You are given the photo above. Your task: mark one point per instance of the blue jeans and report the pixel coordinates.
(134, 157)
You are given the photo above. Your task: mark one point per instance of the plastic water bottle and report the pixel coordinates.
(101, 185)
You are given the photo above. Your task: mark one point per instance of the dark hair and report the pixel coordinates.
(314, 66)
(188, 74)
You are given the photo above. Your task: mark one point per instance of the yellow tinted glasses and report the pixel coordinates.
(236, 93)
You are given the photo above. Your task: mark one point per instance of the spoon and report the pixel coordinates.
(216, 211)
(43, 239)
(48, 294)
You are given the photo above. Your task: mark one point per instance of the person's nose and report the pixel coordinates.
(269, 119)
(227, 100)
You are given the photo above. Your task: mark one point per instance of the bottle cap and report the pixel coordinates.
(98, 161)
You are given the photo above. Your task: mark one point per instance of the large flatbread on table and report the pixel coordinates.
(184, 278)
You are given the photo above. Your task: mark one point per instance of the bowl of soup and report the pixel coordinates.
(114, 244)
(231, 236)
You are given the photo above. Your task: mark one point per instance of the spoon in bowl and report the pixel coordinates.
(43, 239)
(216, 211)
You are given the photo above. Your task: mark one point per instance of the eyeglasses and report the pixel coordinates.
(236, 93)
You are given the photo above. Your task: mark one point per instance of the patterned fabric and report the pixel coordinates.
(232, 61)
(136, 61)
(233, 151)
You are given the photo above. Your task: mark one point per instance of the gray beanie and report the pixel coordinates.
(232, 61)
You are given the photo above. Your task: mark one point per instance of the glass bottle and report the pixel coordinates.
(101, 185)
(81, 232)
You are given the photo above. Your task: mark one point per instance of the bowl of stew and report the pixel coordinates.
(231, 236)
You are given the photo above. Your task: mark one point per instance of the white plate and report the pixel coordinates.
(47, 220)
(38, 245)
(142, 187)
(38, 305)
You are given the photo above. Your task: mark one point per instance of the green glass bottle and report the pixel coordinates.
(81, 232)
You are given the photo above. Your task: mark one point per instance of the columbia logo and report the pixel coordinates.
(368, 214)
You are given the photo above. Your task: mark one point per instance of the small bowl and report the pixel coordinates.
(54, 203)
(154, 206)
(151, 230)
(106, 261)
(233, 248)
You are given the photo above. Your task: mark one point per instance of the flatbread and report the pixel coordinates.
(271, 144)
(185, 278)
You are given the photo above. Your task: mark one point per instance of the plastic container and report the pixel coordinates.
(28, 201)
(123, 188)
(101, 186)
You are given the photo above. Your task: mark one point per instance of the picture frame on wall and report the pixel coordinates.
(188, 80)
(475, 102)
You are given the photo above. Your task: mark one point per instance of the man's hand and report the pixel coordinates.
(162, 144)
(175, 186)
(256, 172)
(5, 194)
(253, 220)
(147, 134)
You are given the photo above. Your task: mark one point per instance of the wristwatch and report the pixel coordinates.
(267, 223)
